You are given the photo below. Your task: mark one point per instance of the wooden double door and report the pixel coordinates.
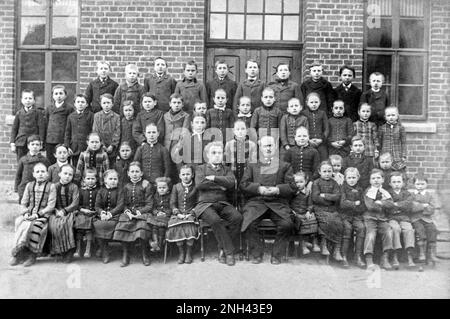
(267, 58)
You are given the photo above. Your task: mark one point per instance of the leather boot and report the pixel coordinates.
(30, 260)
(316, 247)
(337, 252)
(421, 245)
(181, 255)
(87, 253)
(395, 262)
(385, 261)
(323, 247)
(105, 252)
(369, 260)
(77, 253)
(345, 245)
(144, 249)
(358, 251)
(305, 250)
(432, 253)
(188, 258)
(410, 258)
(125, 257)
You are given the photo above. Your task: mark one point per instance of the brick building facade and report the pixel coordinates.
(334, 32)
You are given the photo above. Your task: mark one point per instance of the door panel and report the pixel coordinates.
(268, 60)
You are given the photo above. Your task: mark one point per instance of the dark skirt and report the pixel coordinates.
(129, 230)
(182, 229)
(83, 222)
(305, 226)
(330, 225)
(159, 221)
(104, 229)
(61, 231)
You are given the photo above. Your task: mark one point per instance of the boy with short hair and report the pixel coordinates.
(348, 92)
(267, 117)
(317, 83)
(284, 88)
(200, 107)
(376, 98)
(175, 121)
(28, 121)
(61, 155)
(24, 172)
(56, 116)
(291, 120)
(160, 84)
(190, 88)
(251, 86)
(221, 81)
(130, 89)
(399, 219)
(385, 163)
(357, 159)
(101, 85)
(220, 117)
(336, 163)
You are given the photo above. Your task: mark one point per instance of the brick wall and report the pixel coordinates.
(137, 31)
(7, 73)
(333, 34)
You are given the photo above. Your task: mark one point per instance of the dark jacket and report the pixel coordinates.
(155, 161)
(96, 88)
(378, 101)
(26, 124)
(253, 90)
(227, 84)
(271, 175)
(191, 91)
(144, 118)
(325, 91)
(78, 127)
(125, 92)
(56, 122)
(161, 87)
(284, 91)
(350, 98)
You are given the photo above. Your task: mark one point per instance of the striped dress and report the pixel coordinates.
(61, 228)
(38, 198)
(137, 197)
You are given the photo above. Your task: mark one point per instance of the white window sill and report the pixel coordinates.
(412, 127)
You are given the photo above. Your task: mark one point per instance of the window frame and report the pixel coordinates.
(48, 49)
(396, 52)
(244, 43)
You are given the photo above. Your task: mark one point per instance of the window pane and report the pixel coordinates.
(291, 6)
(272, 28)
(32, 30)
(411, 70)
(411, 33)
(217, 26)
(380, 37)
(290, 28)
(255, 6)
(411, 8)
(380, 7)
(64, 66)
(236, 26)
(218, 5)
(65, 30)
(65, 7)
(71, 89)
(38, 89)
(273, 6)
(32, 66)
(33, 7)
(379, 63)
(254, 27)
(410, 100)
(235, 5)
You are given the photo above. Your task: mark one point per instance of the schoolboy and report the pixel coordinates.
(284, 88)
(190, 88)
(251, 86)
(348, 92)
(101, 85)
(130, 89)
(376, 97)
(221, 81)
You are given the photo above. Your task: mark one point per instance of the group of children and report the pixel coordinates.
(113, 156)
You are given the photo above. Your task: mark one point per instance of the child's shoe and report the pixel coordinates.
(421, 245)
(77, 253)
(188, 257)
(154, 246)
(181, 256)
(345, 263)
(410, 258)
(305, 250)
(316, 247)
(30, 260)
(395, 262)
(385, 261)
(323, 247)
(369, 261)
(360, 262)
(87, 253)
(432, 254)
(337, 252)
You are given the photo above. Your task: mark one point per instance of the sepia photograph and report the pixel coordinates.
(212, 151)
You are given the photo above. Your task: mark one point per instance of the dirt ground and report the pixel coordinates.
(299, 278)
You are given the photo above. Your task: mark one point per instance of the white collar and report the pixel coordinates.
(218, 108)
(249, 114)
(59, 104)
(372, 193)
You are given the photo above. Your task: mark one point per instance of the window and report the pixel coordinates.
(255, 20)
(48, 47)
(396, 44)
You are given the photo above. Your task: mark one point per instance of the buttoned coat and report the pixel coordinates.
(288, 126)
(251, 89)
(79, 126)
(124, 92)
(275, 174)
(350, 98)
(26, 124)
(96, 88)
(56, 118)
(227, 84)
(173, 127)
(162, 88)
(144, 118)
(284, 91)
(107, 125)
(191, 91)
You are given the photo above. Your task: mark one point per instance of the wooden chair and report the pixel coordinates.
(266, 225)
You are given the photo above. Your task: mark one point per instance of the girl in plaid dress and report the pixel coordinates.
(367, 130)
(93, 157)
